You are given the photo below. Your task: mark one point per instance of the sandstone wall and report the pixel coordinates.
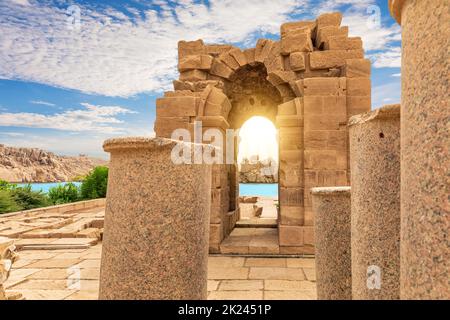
(310, 82)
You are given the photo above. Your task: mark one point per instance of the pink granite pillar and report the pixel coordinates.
(425, 110)
(155, 243)
(331, 206)
(375, 180)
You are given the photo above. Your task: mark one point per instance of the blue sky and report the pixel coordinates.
(73, 73)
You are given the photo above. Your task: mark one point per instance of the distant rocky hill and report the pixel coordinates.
(257, 172)
(36, 165)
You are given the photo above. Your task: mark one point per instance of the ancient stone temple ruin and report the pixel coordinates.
(309, 83)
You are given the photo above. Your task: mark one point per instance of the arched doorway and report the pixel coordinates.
(306, 88)
(257, 161)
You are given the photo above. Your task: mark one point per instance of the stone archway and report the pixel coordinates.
(318, 78)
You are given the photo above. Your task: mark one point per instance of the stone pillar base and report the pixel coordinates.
(155, 243)
(375, 180)
(331, 207)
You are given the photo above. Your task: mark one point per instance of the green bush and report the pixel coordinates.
(95, 184)
(7, 203)
(27, 199)
(5, 185)
(64, 194)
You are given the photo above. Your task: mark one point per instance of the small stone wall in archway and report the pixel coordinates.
(311, 81)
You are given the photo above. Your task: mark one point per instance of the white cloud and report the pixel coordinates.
(391, 58)
(69, 143)
(115, 54)
(396, 75)
(20, 2)
(61, 144)
(12, 134)
(375, 37)
(44, 103)
(92, 118)
(333, 5)
(386, 93)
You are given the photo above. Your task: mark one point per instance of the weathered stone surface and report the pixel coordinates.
(424, 148)
(325, 105)
(375, 180)
(287, 109)
(187, 48)
(297, 41)
(229, 60)
(290, 235)
(291, 196)
(291, 168)
(332, 242)
(216, 49)
(329, 19)
(291, 136)
(250, 55)
(215, 237)
(280, 77)
(291, 216)
(285, 92)
(290, 121)
(342, 42)
(7, 258)
(275, 64)
(294, 26)
(177, 265)
(357, 68)
(358, 86)
(193, 75)
(183, 106)
(201, 62)
(324, 33)
(358, 104)
(324, 86)
(332, 59)
(165, 126)
(214, 103)
(220, 69)
(260, 44)
(240, 56)
(297, 61)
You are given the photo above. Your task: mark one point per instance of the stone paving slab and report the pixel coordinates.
(73, 274)
(60, 259)
(255, 241)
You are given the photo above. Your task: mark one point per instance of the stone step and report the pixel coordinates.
(58, 244)
(257, 223)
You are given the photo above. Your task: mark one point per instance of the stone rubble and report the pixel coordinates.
(8, 256)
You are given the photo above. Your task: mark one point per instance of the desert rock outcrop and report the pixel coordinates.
(36, 165)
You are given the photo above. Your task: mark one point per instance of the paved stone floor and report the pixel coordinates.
(60, 259)
(74, 274)
(251, 241)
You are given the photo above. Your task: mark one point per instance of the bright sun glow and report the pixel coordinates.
(258, 137)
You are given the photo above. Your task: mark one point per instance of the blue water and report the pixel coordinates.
(245, 189)
(258, 189)
(44, 187)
